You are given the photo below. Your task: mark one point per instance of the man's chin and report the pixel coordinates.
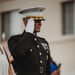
(38, 31)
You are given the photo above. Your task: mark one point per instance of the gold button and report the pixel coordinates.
(40, 53)
(40, 61)
(35, 39)
(47, 57)
(30, 49)
(38, 46)
(47, 52)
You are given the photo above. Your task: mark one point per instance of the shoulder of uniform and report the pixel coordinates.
(17, 36)
(14, 37)
(41, 38)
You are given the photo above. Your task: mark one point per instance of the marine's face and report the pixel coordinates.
(37, 25)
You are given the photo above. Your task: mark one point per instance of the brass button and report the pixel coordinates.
(47, 57)
(40, 53)
(40, 61)
(47, 52)
(35, 39)
(30, 49)
(38, 46)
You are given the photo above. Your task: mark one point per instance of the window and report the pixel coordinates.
(5, 17)
(68, 14)
(11, 23)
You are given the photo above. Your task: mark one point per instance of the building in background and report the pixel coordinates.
(58, 29)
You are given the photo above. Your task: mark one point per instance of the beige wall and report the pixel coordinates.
(63, 51)
(62, 47)
(0, 27)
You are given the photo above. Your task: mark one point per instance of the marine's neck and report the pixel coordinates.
(35, 33)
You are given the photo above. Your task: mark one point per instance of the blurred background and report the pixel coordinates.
(58, 29)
